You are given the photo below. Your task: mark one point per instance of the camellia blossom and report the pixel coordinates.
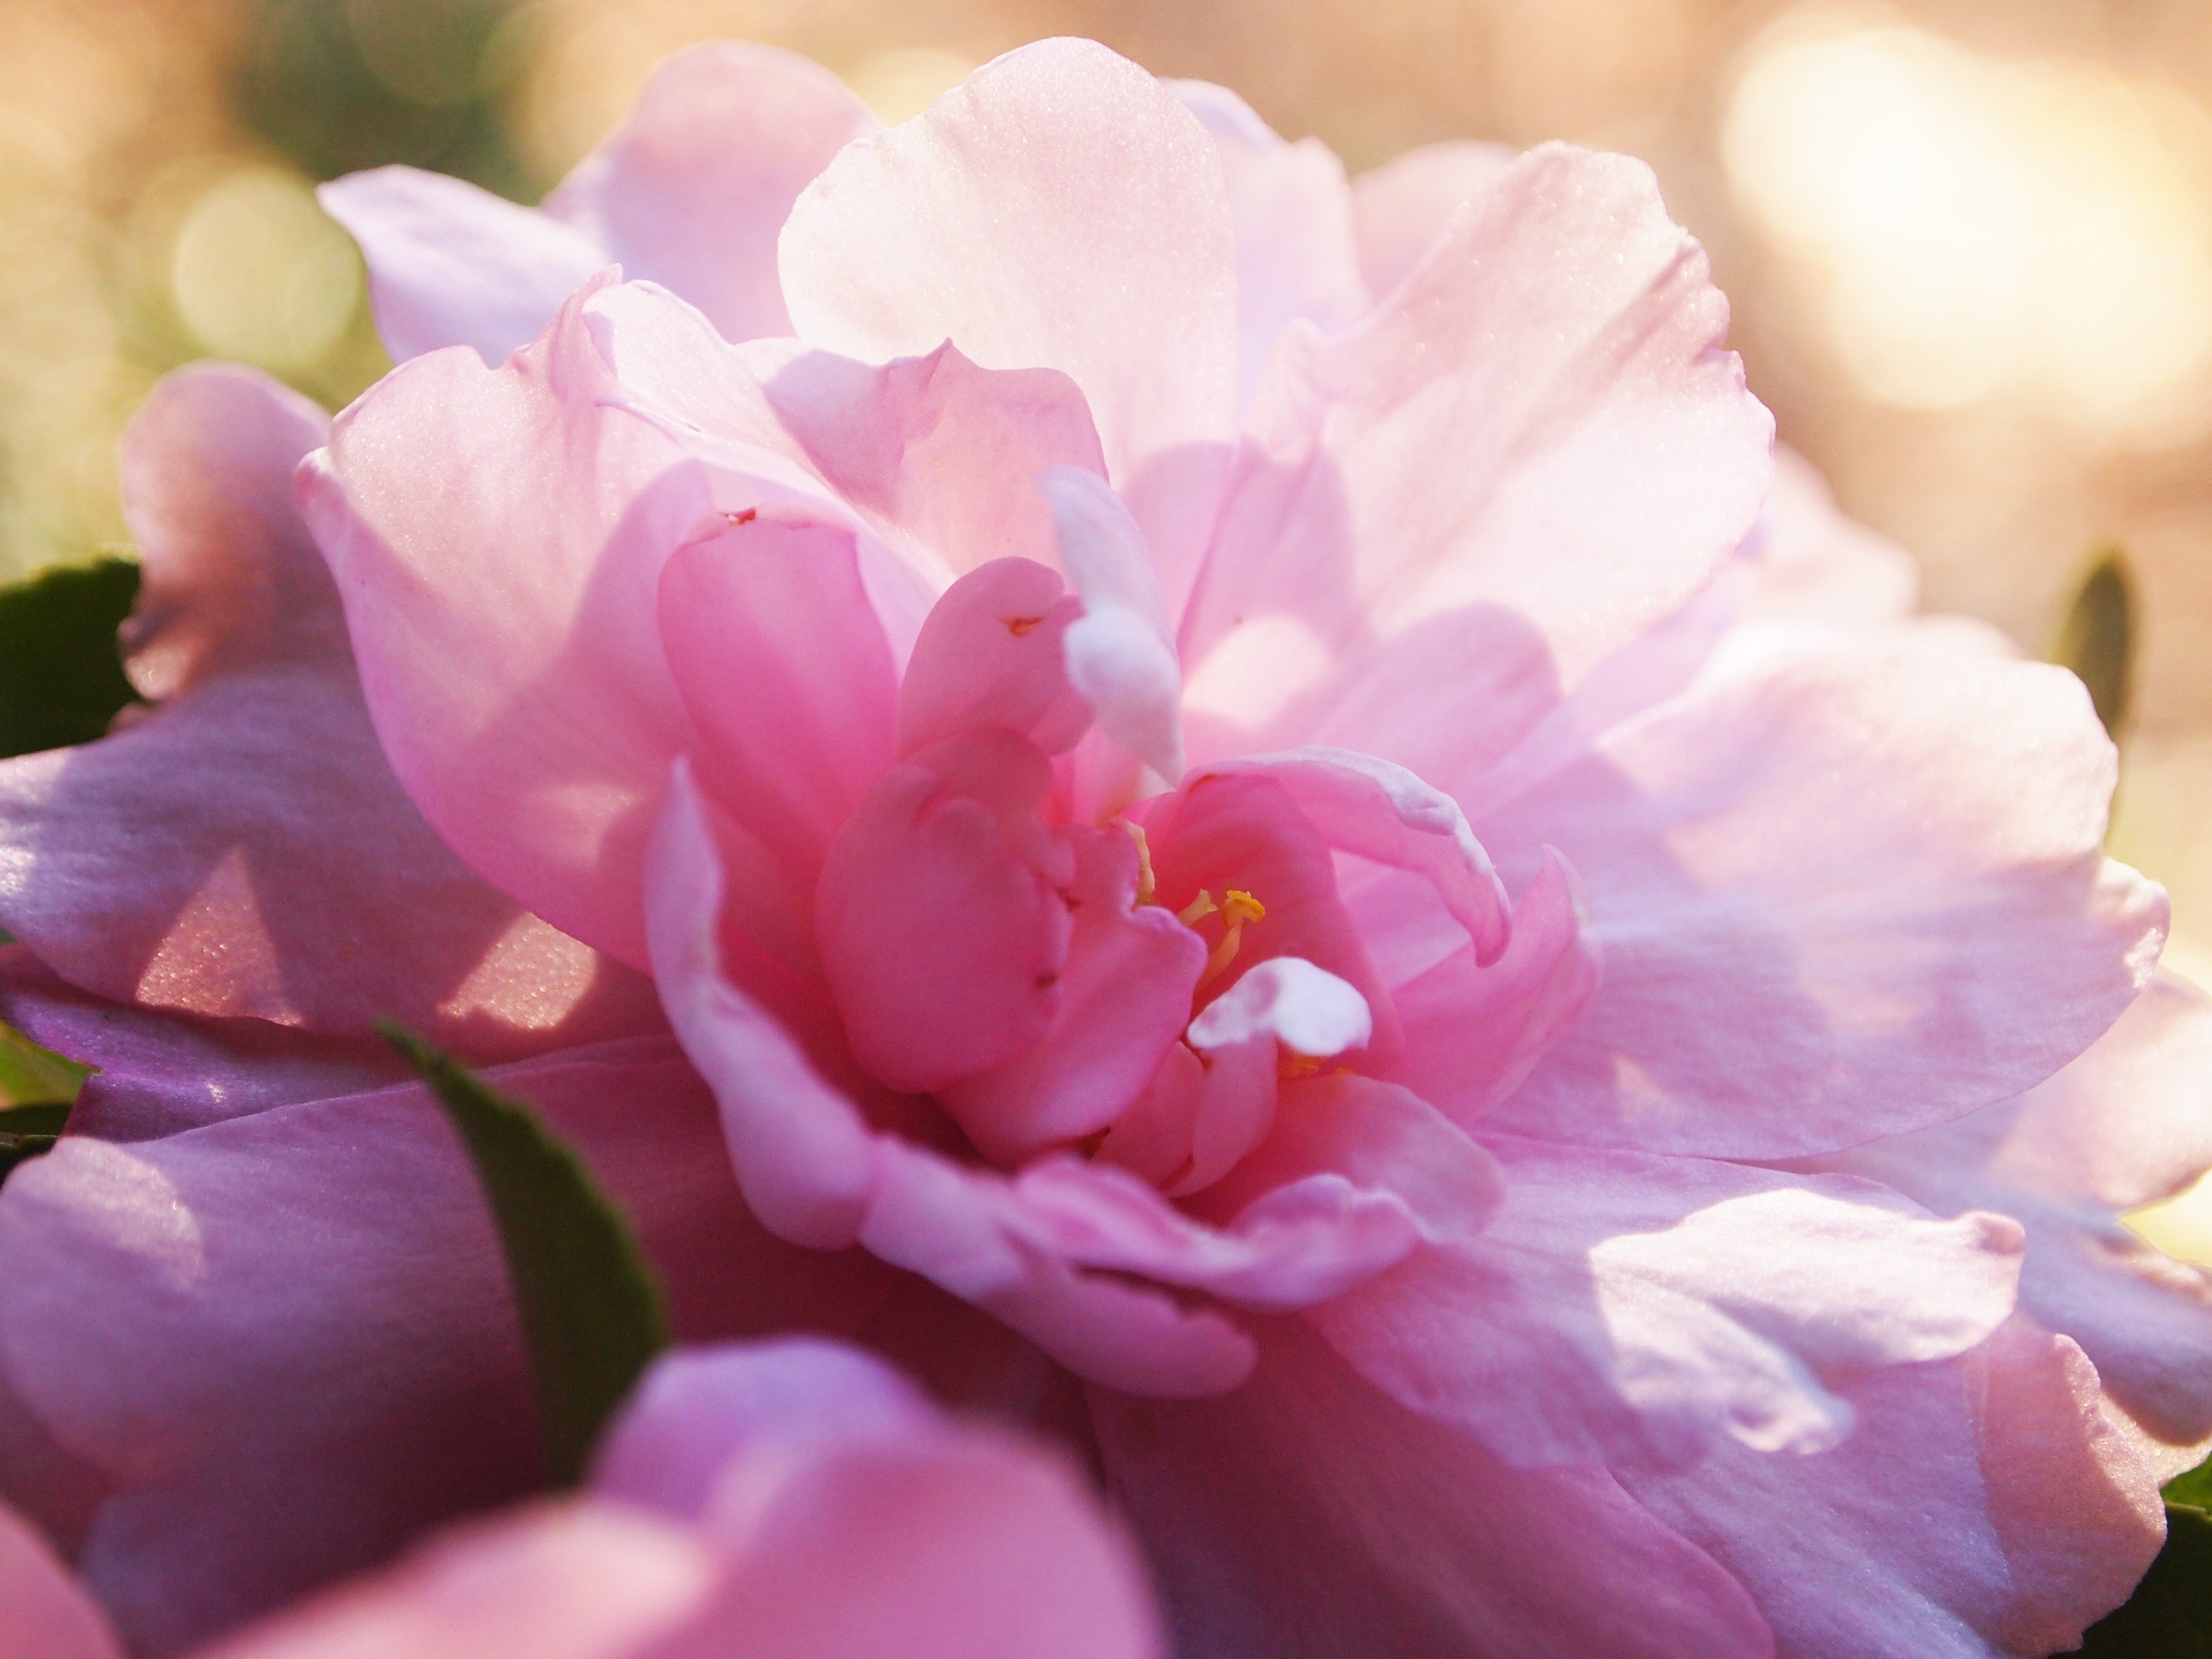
(790, 1500)
(1203, 765)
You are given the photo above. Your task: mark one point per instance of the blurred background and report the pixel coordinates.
(1969, 242)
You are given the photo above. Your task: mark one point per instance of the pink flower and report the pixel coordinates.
(1631, 1275)
(785, 1501)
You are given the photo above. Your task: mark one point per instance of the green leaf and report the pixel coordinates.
(2170, 1614)
(2191, 1488)
(2097, 639)
(38, 1087)
(593, 1314)
(61, 675)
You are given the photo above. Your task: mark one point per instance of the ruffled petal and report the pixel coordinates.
(498, 536)
(450, 264)
(333, 1262)
(1060, 210)
(1638, 1308)
(1124, 998)
(1985, 1507)
(1472, 1033)
(2119, 1128)
(1839, 896)
(1399, 209)
(990, 655)
(692, 190)
(1295, 253)
(305, 890)
(1447, 515)
(786, 675)
(1307, 1512)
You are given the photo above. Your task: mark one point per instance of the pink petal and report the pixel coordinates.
(1295, 257)
(786, 673)
(989, 655)
(1808, 563)
(957, 1228)
(1839, 896)
(1982, 1506)
(696, 1408)
(48, 1615)
(501, 519)
(1120, 652)
(941, 455)
(960, 1544)
(692, 190)
(1375, 810)
(1473, 1033)
(1243, 831)
(1124, 998)
(555, 1581)
(1059, 211)
(1401, 210)
(804, 1157)
(159, 1073)
(1638, 1308)
(1440, 508)
(306, 890)
(333, 1262)
(942, 938)
(2121, 1127)
(1306, 1512)
(451, 264)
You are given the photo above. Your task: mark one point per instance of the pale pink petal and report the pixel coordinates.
(1638, 1308)
(1375, 810)
(1295, 254)
(556, 1581)
(1446, 516)
(940, 455)
(306, 890)
(333, 1264)
(786, 675)
(1377, 1136)
(1307, 1513)
(1808, 563)
(1060, 210)
(1984, 1507)
(1124, 998)
(451, 264)
(498, 538)
(1120, 652)
(160, 1073)
(1288, 1000)
(953, 1226)
(1472, 1033)
(2123, 1125)
(1399, 209)
(941, 939)
(804, 1156)
(959, 1544)
(696, 1408)
(43, 1611)
(1843, 895)
(692, 190)
(990, 655)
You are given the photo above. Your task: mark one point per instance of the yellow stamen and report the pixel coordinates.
(1198, 909)
(1145, 883)
(1237, 909)
(1291, 1065)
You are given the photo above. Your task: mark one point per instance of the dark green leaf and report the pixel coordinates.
(2170, 1614)
(592, 1312)
(2097, 639)
(61, 676)
(36, 1088)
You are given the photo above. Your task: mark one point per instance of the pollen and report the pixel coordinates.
(1238, 908)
